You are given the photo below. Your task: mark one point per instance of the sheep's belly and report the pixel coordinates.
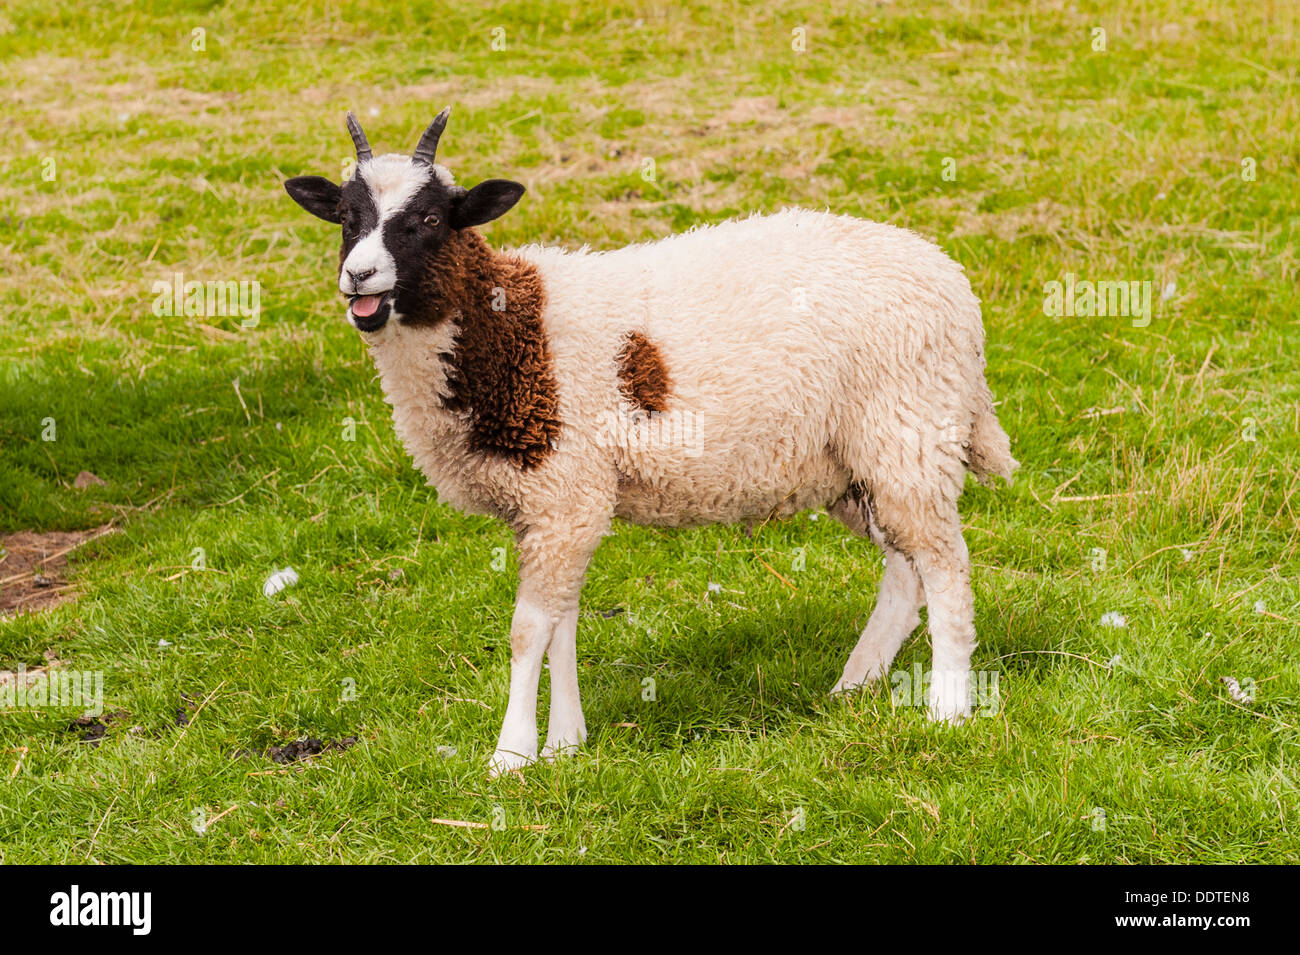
(714, 492)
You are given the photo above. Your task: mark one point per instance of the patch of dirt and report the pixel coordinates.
(30, 562)
(31, 674)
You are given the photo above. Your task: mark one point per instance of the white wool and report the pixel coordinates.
(393, 171)
(804, 348)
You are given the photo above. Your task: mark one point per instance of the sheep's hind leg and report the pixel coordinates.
(926, 550)
(896, 613)
(944, 567)
(892, 621)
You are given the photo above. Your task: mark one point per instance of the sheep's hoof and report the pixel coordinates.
(949, 698)
(938, 713)
(849, 685)
(553, 751)
(566, 745)
(504, 761)
(840, 688)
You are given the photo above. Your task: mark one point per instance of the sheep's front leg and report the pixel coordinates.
(530, 635)
(567, 729)
(552, 561)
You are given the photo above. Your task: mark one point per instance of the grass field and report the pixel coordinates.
(1161, 459)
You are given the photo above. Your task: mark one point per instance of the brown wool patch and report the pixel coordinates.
(500, 371)
(642, 375)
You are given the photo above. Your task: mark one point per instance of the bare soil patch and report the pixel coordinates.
(31, 565)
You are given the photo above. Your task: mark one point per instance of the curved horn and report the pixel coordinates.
(428, 144)
(358, 138)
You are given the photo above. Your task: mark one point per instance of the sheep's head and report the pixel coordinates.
(396, 213)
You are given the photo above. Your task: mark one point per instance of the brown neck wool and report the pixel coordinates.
(499, 372)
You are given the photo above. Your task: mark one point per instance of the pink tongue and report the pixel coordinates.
(366, 305)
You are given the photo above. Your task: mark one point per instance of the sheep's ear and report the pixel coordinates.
(488, 200)
(317, 195)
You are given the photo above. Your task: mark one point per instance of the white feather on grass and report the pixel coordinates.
(286, 577)
(1235, 691)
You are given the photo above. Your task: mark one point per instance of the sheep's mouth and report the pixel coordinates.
(370, 312)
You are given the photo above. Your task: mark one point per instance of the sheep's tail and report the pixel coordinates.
(989, 455)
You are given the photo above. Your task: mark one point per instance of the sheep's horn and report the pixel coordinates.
(428, 144)
(358, 138)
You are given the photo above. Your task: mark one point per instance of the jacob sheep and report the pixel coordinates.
(800, 360)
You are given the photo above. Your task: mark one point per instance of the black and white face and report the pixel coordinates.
(396, 213)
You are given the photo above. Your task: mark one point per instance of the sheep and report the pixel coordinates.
(794, 360)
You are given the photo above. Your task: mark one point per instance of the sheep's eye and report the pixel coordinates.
(431, 220)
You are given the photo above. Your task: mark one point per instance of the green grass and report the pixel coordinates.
(1174, 447)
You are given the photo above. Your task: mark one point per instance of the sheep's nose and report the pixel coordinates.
(359, 277)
